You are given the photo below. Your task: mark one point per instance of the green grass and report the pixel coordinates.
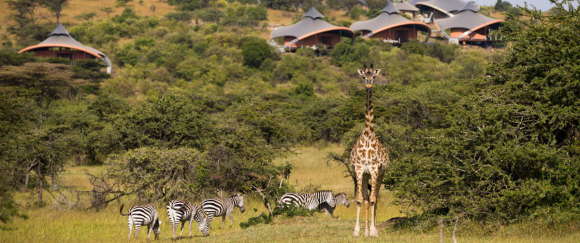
(51, 225)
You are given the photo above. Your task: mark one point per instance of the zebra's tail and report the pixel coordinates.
(121, 210)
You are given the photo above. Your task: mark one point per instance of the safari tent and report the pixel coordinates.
(61, 44)
(390, 26)
(469, 26)
(312, 30)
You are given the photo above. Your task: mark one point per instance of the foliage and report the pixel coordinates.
(244, 15)
(443, 52)
(508, 151)
(55, 6)
(167, 121)
(26, 28)
(160, 173)
(256, 51)
(345, 52)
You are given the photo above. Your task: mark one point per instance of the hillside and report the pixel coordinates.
(200, 104)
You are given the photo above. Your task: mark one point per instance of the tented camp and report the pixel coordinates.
(469, 26)
(390, 26)
(440, 8)
(61, 44)
(312, 30)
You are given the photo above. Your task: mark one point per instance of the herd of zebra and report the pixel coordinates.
(180, 211)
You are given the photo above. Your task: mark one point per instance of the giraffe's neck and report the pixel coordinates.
(369, 116)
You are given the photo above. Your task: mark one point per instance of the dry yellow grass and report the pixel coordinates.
(80, 7)
(51, 225)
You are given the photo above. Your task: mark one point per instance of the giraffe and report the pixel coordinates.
(368, 157)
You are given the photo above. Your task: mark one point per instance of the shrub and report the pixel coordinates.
(256, 51)
(443, 52)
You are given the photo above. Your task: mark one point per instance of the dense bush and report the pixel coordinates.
(443, 52)
(508, 151)
(256, 51)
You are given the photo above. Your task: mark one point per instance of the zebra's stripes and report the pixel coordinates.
(181, 211)
(223, 207)
(143, 215)
(339, 199)
(309, 201)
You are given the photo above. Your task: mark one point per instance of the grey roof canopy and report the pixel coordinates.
(312, 23)
(406, 6)
(388, 18)
(313, 13)
(60, 37)
(446, 6)
(471, 6)
(468, 18)
(414, 2)
(390, 8)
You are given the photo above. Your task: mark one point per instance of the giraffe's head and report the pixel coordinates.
(368, 75)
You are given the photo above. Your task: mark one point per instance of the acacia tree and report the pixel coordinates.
(24, 16)
(55, 6)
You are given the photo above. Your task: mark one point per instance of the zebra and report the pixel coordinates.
(140, 215)
(309, 201)
(182, 211)
(223, 207)
(339, 199)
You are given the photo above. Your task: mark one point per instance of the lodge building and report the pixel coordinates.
(61, 44)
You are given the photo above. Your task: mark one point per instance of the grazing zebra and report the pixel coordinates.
(339, 199)
(223, 207)
(309, 201)
(182, 211)
(140, 215)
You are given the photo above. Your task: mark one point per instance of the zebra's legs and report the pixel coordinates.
(359, 200)
(173, 228)
(231, 216)
(182, 225)
(375, 185)
(137, 228)
(149, 231)
(190, 221)
(130, 228)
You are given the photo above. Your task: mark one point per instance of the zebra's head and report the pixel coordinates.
(326, 197)
(203, 224)
(341, 198)
(239, 201)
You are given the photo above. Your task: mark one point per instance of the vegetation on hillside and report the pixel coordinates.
(200, 103)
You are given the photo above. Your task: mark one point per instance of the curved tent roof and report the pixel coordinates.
(311, 24)
(60, 37)
(387, 19)
(468, 18)
(445, 6)
(414, 2)
(406, 6)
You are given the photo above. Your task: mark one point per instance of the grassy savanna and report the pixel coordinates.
(311, 169)
(76, 8)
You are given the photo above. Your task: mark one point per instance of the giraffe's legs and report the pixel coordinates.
(359, 200)
(366, 205)
(375, 184)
